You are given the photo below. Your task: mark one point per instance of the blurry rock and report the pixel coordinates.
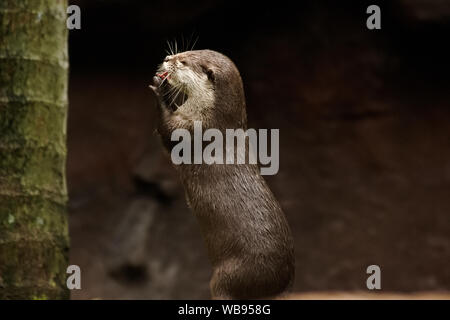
(128, 245)
(155, 176)
(130, 274)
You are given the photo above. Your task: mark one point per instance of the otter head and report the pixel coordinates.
(202, 85)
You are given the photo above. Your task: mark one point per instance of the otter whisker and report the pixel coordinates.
(189, 41)
(176, 96)
(165, 78)
(195, 42)
(172, 88)
(171, 93)
(184, 96)
(170, 47)
(183, 48)
(163, 81)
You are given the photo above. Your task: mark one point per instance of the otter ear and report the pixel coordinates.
(210, 73)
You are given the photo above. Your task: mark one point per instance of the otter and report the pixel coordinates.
(246, 233)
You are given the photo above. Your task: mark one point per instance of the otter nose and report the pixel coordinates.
(168, 58)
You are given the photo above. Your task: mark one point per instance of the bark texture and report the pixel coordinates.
(33, 111)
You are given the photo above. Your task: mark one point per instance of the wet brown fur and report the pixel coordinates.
(246, 233)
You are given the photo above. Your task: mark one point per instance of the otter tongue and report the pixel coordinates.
(163, 75)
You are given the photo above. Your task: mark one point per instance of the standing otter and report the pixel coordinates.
(246, 233)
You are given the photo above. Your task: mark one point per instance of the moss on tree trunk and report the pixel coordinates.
(33, 111)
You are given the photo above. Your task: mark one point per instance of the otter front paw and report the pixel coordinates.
(155, 86)
(165, 94)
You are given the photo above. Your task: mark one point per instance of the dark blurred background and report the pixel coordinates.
(364, 121)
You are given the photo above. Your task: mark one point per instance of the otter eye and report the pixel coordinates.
(211, 75)
(209, 72)
(183, 62)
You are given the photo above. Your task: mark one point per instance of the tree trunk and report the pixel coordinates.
(33, 110)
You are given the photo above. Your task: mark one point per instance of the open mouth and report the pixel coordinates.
(163, 75)
(174, 97)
